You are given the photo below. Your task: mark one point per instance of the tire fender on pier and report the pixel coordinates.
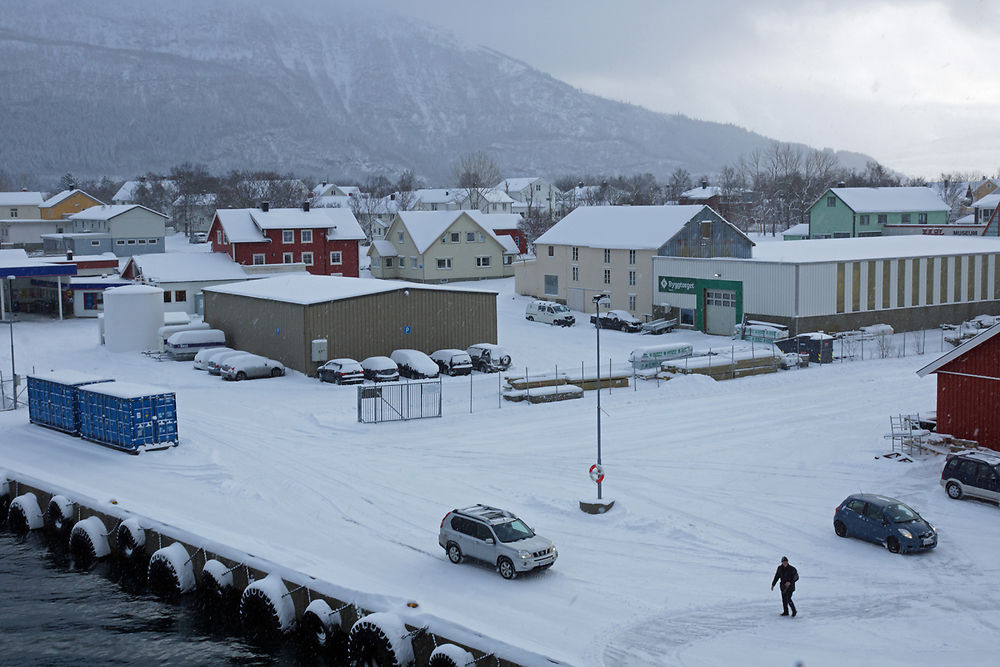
(4, 496)
(88, 541)
(381, 639)
(61, 511)
(24, 514)
(216, 579)
(322, 625)
(266, 608)
(131, 539)
(171, 572)
(449, 655)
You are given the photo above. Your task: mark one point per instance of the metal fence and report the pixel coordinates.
(399, 401)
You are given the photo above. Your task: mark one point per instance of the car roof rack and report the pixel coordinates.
(487, 513)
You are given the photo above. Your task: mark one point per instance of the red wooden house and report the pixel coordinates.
(326, 240)
(968, 389)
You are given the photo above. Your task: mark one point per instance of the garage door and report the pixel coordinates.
(720, 312)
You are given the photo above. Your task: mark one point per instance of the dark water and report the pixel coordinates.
(54, 614)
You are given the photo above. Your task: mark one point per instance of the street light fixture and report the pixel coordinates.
(597, 470)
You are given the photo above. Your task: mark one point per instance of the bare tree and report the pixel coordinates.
(475, 173)
(679, 182)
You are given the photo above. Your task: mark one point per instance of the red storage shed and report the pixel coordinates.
(968, 389)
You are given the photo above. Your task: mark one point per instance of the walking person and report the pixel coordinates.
(787, 575)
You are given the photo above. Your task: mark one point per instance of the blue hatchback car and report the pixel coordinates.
(885, 521)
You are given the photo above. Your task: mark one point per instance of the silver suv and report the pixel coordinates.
(494, 536)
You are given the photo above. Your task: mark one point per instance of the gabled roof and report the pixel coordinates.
(496, 221)
(109, 211)
(127, 191)
(426, 227)
(176, 267)
(702, 193)
(959, 351)
(989, 201)
(21, 198)
(65, 194)
(384, 248)
(621, 227)
(889, 200)
(238, 226)
(438, 195)
(246, 225)
(516, 184)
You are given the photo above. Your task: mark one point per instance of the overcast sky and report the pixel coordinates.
(912, 82)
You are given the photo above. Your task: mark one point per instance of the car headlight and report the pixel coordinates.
(905, 533)
(554, 551)
(524, 554)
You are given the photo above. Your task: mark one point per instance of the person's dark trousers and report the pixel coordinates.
(786, 600)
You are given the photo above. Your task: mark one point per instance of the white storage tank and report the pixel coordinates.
(132, 317)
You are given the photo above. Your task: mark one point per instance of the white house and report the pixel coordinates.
(183, 275)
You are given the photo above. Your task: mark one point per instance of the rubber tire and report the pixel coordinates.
(241, 376)
(60, 525)
(82, 550)
(163, 580)
(4, 508)
(371, 648)
(127, 546)
(892, 544)
(840, 528)
(329, 643)
(276, 373)
(530, 318)
(454, 553)
(17, 521)
(258, 615)
(954, 491)
(441, 661)
(506, 568)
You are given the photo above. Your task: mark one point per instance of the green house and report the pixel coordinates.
(850, 212)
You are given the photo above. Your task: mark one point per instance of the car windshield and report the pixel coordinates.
(512, 531)
(901, 514)
(559, 308)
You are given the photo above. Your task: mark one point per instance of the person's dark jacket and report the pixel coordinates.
(787, 575)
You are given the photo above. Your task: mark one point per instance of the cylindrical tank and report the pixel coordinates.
(132, 316)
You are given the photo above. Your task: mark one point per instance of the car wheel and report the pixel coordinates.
(454, 553)
(840, 528)
(506, 568)
(241, 376)
(530, 318)
(954, 490)
(892, 544)
(276, 372)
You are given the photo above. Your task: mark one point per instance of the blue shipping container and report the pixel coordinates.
(53, 398)
(128, 416)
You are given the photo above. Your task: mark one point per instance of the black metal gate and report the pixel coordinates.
(399, 401)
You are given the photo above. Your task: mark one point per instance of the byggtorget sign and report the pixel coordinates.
(676, 285)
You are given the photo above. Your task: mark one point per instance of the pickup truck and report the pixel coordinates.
(621, 320)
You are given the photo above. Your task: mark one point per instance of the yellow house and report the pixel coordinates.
(987, 186)
(66, 203)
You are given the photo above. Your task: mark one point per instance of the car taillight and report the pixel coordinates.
(442, 520)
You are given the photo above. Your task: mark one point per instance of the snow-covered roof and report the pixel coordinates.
(632, 227)
(15, 261)
(127, 191)
(989, 201)
(69, 377)
(245, 225)
(702, 193)
(890, 200)
(332, 201)
(516, 184)
(498, 220)
(438, 195)
(205, 199)
(239, 226)
(875, 247)
(108, 211)
(308, 289)
(425, 227)
(21, 198)
(177, 267)
(960, 350)
(509, 245)
(384, 248)
(126, 389)
(65, 194)
(801, 229)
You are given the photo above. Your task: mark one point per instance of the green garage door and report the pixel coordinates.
(720, 312)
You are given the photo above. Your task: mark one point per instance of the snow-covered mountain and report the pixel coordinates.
(105, 86)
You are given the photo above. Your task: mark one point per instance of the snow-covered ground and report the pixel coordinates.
(714, 482)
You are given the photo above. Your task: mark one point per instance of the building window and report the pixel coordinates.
(483, 261)
(152, 241)
(413, 262)
(576, 274)
(687, 317)
(607, 276)
(607, 256)
(631, 256)
(455, 237)
(388, 262)
(882, 218)
(13, 212)
(922, 218)
(120, 242)
(306, 235)
(142, 241)
(131, 241)
(552, 251)
(376, 262)
(576, 254)
(508, 260)
(538, 187)
(551, 285)
(631, 281)
(444, 262)
(180, 296)
(831, 202)
(307, 258)
(905, 218)
(166, 296)
(631, 302)
(470, 237)
(863, 220)
(288, 258)
(399, 236)
(337, 257)
(218, 236)
(402, 262)
(706, 231)
(288, 236)
(95, 243)
(479, 237)
(258, 258)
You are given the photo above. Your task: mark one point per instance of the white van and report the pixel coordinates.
(550, 313)
(184, 345)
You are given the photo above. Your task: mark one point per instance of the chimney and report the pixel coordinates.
(305, 206)
(69, 254)
(580, 184)
(841, 184)
(324, 184)
(704, 184)
(265, 206)
(392, 197)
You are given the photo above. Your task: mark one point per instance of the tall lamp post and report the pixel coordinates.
(10, 321)
(597, 470)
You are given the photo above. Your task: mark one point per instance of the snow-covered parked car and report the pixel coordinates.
(622, 320)
(453, 362)
(380, 369)
(488, 358)
(341, 371)
(414, 364)
(248, 366)
(201, 359)
(215, 361)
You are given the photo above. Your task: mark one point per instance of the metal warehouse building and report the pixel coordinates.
(910, 283)
(281, 317)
